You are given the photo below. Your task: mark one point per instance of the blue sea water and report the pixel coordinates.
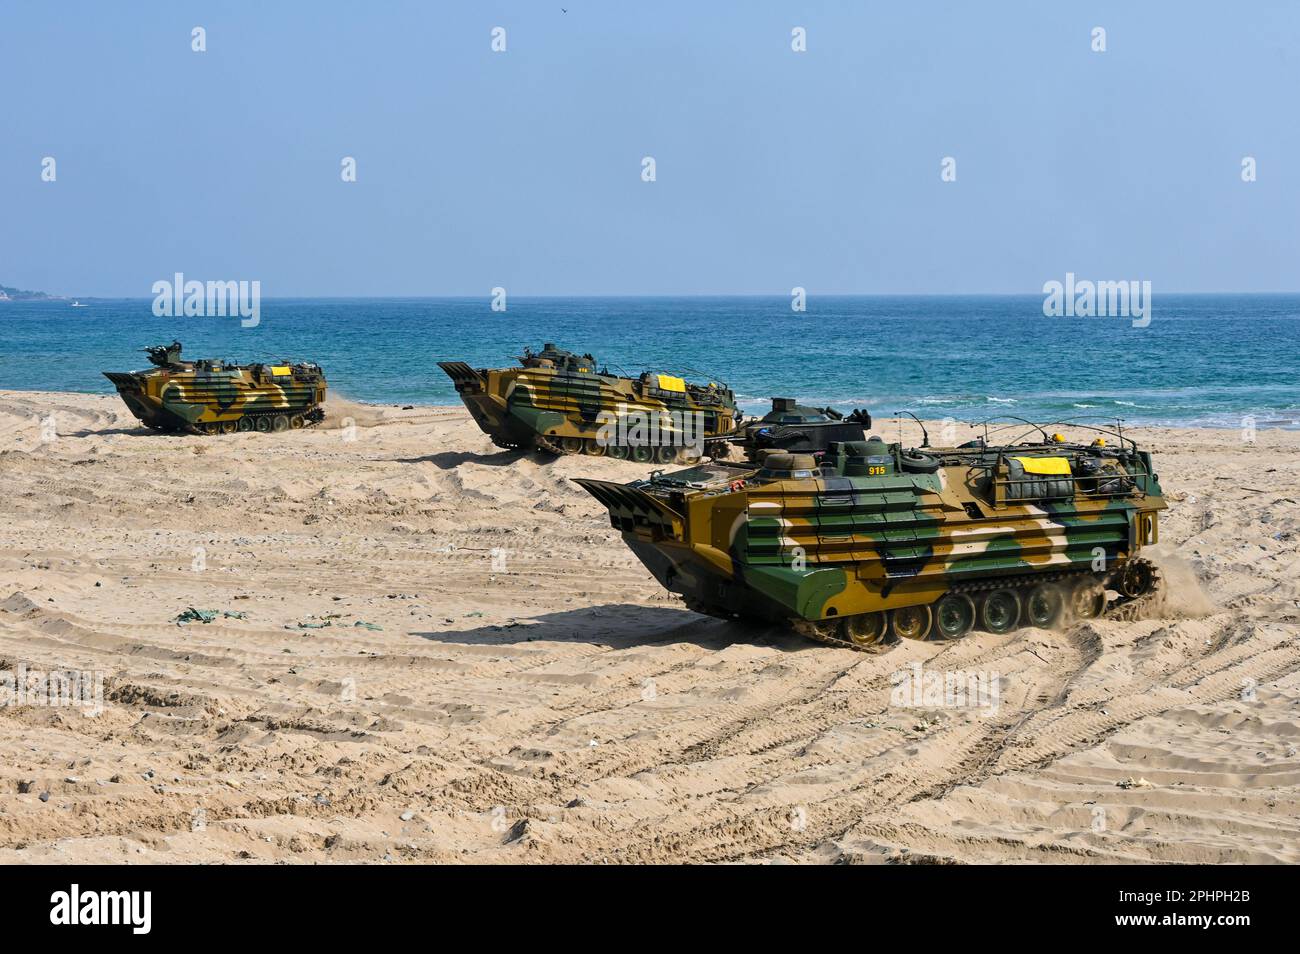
(1204, 359)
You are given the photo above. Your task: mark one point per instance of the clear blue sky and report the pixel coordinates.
(775, 169)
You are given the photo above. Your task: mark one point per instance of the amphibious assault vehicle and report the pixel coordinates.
(558, 402)
(212, 397)
(791, 427)
(878, 541)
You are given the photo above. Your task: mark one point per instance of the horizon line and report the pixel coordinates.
(628, 295)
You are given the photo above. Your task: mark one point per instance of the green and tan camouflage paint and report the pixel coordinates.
(516, 406)
(209, 397)
(831, 545)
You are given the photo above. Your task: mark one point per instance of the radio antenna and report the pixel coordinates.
(925, 435)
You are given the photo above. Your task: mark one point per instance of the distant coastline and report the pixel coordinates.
(18, 294)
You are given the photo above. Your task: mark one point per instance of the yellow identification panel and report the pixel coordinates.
(279, 369)
(1051, 466)
(669, 383)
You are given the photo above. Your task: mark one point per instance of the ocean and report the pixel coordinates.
(1209, 360)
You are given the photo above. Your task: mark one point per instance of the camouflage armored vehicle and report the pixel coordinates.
(880, 542)
(791, 427)
(212, 397)
(558, 402)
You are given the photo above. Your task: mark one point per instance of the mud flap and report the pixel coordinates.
(803, 594)
(537, 421)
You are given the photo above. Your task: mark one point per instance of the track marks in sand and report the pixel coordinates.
(563, 708)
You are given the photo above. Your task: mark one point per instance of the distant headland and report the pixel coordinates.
(17, 294)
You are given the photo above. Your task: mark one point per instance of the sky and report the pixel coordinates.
(524, 169)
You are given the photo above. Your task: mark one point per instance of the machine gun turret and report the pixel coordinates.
(165, 356)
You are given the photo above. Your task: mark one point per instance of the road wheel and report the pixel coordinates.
(593, 448)
(665, 453)
(1135, 579)
(642, 454)
(571, 445)
(297, 422)
(245, 424)
(229, 427)
(1000, 611)
(865, 629)
(1043, 606)
(263, 424)
(1087, 600)
(617, 451)
(954, 616)
(280, 423)
(911, 622)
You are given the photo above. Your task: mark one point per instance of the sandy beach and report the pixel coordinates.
(441, 652)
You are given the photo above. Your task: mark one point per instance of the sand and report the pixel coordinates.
(548, 702)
